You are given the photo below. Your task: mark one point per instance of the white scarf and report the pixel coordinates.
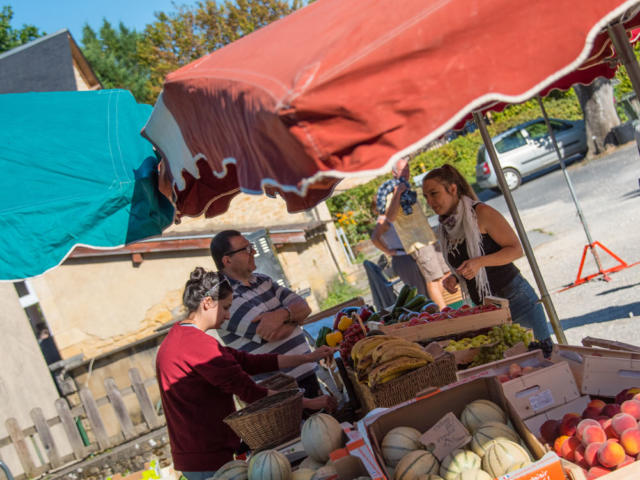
(460, 226)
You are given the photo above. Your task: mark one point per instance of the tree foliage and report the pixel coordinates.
(189, 33)
(11, 37)
(113, 55)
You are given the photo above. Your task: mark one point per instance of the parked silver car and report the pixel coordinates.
(527, 148)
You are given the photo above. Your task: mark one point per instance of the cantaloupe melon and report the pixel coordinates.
(457, 462)
(233, 470)
(479, 412)
(431, 476)
(302, 474)
(398, 442)
(474, 475)
(269, 465)
(311, 463)
(502, 455)
(325, 473)
(414, 464)
(321, 435)
(491, 431)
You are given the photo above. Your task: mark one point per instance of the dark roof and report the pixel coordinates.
(44, 65)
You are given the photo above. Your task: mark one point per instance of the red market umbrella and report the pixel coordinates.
(344, 88)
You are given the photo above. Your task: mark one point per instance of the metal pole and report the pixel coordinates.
(526, 246)
(574, 197)
(624, 51)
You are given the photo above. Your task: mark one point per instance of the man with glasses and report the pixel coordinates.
(265, 317)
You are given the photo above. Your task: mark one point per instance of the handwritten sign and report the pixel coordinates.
(445, 436)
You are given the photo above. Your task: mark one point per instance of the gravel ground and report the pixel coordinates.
(607, 188)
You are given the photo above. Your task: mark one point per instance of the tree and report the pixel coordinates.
(600, 116)
(113, 55)
(11, 37)
(180, 37)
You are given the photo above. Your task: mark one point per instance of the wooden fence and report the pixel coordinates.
(87, 409)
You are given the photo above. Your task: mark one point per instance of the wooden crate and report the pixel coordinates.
(599, 371)
(453, 326)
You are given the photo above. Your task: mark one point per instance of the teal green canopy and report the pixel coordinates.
(74, 170)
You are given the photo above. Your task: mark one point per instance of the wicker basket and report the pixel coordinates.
(279, 382)
(437, 374)
(269, 421)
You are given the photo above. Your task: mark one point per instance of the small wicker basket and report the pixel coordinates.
(269, 421)
(436, 374)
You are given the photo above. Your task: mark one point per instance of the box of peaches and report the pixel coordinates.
(602, 441)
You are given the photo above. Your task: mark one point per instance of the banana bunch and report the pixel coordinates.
(381, 358)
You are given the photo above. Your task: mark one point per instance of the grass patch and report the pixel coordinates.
(339, 292)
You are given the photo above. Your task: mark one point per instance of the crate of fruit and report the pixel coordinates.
(423, 326)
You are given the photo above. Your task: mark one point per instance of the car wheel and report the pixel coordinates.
(513, 178)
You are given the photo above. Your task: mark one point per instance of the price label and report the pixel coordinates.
(445, 436)
(541, 400)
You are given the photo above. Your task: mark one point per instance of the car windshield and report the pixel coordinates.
(510, 142)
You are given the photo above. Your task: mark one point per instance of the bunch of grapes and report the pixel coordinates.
(506, 336)
(350, 337)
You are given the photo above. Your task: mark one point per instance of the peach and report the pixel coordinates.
(611, 454)
(630, 441)
(622, 422)
(515, 370)
(597, 472)
(549, 431)
(596, 403)
(585, 423)
(527, 370)
(570, 415)
(591, 453)
(632, 407)
(627, 461)
(557, 445)
(591, 412)
(568, 448)
(569, 425)
(503, 378)
(578, 456)
(611, 410)
(593, 434)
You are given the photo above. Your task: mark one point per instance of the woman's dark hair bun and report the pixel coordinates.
(197, 274)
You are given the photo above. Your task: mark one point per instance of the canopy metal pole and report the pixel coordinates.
(624, 51)
(583, 220)
(544, 293)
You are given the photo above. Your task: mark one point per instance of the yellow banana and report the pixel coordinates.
(399, 365)
(379, 350)
(402, 351)
(363, 346)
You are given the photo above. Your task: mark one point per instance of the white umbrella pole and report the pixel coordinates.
(526, 246)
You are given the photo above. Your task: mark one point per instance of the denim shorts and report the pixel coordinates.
(525, 306)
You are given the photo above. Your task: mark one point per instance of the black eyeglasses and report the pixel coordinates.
(247, 248)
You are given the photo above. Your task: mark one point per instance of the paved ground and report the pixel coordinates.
(609, 193)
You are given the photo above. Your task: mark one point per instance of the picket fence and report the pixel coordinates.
(88, 409)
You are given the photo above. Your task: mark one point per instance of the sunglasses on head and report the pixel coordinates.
(247, 248)
(214, 291)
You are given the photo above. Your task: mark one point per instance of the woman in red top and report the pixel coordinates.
(198, 378)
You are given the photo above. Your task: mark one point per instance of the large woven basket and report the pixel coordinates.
(437, 374)
(269, 421)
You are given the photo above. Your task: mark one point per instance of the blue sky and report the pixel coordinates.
(54, 15)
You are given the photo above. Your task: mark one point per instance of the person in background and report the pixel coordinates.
(412, 227)
(198, 378)
(480, 247)
(385, 238)
(265, 317)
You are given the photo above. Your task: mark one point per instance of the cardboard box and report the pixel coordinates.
(598, 371)
(453, 326)
(426, 411)
(529, 359)
(575, 406)
(541, 390)
(630, 472)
